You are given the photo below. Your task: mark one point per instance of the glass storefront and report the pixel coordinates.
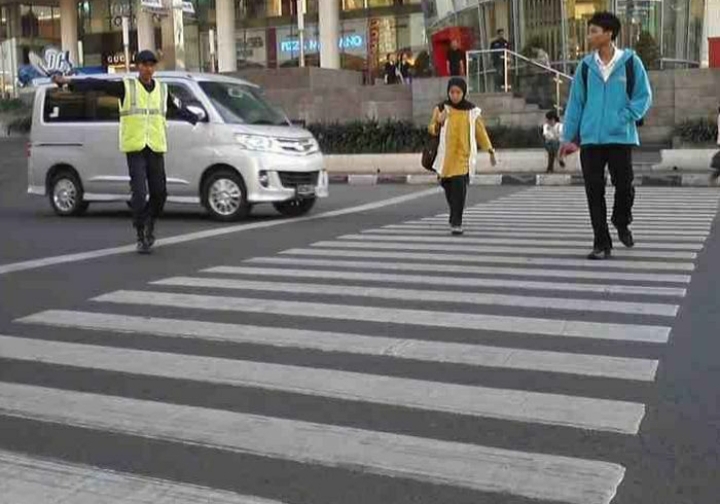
(559, 27)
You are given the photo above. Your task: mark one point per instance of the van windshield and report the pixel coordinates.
(241, 104)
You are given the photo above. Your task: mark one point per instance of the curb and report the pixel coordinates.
(654, 180)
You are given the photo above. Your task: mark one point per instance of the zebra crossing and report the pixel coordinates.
(511, 297)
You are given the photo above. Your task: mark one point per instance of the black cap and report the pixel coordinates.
(146, 57)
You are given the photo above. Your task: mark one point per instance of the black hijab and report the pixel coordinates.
(464, 103)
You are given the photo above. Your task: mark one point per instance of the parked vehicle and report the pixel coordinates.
(242, 153)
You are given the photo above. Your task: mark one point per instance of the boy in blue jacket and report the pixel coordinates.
(609, 97)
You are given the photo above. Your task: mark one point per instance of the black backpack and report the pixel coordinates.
(629, 85)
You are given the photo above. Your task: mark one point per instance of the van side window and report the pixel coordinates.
(64, 106)
(184, 94)
(105, 108)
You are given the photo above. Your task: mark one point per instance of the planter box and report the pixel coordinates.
(685, 159)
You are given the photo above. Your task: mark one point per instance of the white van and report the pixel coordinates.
(242, 152)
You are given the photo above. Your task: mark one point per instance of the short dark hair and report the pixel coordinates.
(607, 21)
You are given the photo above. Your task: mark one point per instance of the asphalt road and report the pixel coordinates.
(396, 365)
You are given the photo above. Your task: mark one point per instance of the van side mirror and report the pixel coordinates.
(199, 112)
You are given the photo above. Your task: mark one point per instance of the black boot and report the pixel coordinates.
(150, 232)
(626, 237)
(599, 254)
(142, 244)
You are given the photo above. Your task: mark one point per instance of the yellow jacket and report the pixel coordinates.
(457, 154)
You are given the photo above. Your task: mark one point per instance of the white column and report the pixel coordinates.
(145, 30)
(226, 43)
(69, 29)
(173, 37)
(329, 33)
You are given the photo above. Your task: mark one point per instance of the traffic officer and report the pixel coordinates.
(144, 103)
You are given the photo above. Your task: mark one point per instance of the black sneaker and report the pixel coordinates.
(562, 164)
(599, 254)
(626, 237)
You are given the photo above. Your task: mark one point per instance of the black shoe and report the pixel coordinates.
(150, 233)
(142, 247)
(599, 254)
(456, 230)
(626, 237)
(562, 164)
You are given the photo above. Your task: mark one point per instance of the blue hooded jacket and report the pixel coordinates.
(602, 113)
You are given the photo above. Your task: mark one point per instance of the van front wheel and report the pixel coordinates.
(225, 197)
(295, 207)
(66, 195)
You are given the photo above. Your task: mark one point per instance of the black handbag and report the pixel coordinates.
(430, 151)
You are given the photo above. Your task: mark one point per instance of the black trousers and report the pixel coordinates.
(618, 159)
(552, 147)
(456, 193)
(147, 175)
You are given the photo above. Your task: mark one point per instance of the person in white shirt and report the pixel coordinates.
(552, 133)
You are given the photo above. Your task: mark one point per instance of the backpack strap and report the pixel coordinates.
(584, 70)
(630, 76)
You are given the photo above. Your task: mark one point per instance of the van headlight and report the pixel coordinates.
(258, 143)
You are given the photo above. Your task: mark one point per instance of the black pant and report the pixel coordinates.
(618, 158)
(552, 148)
(147, 174)
(456, 193)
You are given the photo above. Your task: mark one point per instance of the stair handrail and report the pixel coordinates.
(506, 55)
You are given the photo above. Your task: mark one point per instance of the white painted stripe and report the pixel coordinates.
(431, 296)
(480, 249)
(526, 261)
(531, 475)
(463, 281)
(396, 348)
(511, 224)
(508, 206)
(521, 212)
(509, 241)
(210, 233)
(554, 218)
(466, 270)
(32, 480)
(549, 229)
(681, 242)
(484, 402)
(446, 320)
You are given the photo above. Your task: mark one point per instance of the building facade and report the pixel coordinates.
(351, 34)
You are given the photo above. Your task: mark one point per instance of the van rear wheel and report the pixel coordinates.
(66, 194)
(225, 197)
(295, 207)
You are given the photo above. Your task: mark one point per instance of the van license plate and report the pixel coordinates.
(306, 190)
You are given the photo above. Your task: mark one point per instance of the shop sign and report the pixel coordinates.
(52, 61)
(348, 42)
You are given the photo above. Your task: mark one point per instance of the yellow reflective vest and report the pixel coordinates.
(142, 117)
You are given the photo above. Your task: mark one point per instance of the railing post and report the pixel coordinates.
(505, 70)
(557, 93)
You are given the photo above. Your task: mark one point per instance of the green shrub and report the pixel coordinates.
(373, 137)
(699, 131)
(11, 105)
(15, 116)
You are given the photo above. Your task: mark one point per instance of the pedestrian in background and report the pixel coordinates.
(392, 73)
(609, 96)
(499, 45)
(143, 102)
(458, 124)
(405, 68)
(455, 59)
(715, 162)
(552, 133)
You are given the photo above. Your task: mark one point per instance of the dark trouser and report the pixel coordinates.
(552, 147)
(147, 174)
(618, 158)
(456, 193)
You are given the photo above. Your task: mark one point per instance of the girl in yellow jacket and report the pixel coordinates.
(461, 130)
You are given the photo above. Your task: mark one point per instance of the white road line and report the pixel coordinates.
(555, 219)
(396, 348)
(450, 246)
(373, 236)
(466, 270)
(560, 223)
(526, 261)
(537, 476)
(675, 242)
(33, 480)
(211, 233)
(456, 320)
(426, 280)
(549, 231)
(483, 402)
(642, 216)
(450, 297)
